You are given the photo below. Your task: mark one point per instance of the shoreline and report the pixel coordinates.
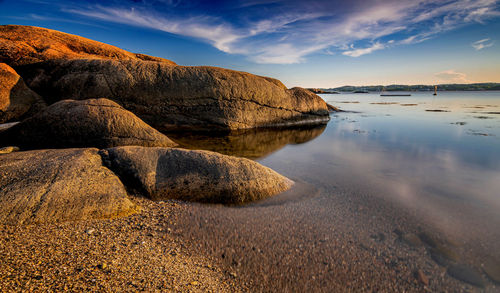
(190, 247)
(378, 205)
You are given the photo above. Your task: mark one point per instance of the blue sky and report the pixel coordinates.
(302, 43)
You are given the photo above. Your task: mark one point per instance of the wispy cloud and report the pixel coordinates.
(451, 76)
(37, 17)
(481, 44)
(360, 52)
(287, 31)
(220, 35)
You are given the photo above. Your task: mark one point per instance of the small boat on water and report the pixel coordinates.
(435, 90)
(360, 92)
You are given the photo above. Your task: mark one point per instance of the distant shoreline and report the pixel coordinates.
(491, 86)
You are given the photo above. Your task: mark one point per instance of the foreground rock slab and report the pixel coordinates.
(97, 123)
(59, 185)
(203, 176)
(179, 97)
(16, 99)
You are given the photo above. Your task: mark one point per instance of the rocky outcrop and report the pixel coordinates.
(16, 99)
(59, 185)
(97, 123)
(169, 173)
(179, 97)
(21, 45)
(61, 66)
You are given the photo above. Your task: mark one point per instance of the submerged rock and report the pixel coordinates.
(59, 185)
(428, 239)
(440, 259)
(16, 99)
(169, 173)
(411, 239)
(446, 251)
(21, 45)
(179, 97)
(492, 269)
(466, 274)
(97, 123)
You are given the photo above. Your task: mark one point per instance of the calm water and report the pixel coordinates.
(443, 163)
(386, 164)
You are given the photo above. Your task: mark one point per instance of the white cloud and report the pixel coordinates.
(364, 51)
(481, 44)
(219, 35)
(288, 37)
(451, 76)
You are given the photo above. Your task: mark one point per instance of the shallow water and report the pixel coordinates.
(431, 162)
(447, 164)
(446, 146)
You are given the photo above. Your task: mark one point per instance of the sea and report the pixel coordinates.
(430, 162)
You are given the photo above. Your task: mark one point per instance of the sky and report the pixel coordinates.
(303, 43)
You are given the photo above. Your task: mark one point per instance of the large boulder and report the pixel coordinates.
(62, 66)
(169, 173)
(16, 99)
(28, 44)
(97, 123)
(179, 97)
(59, 185)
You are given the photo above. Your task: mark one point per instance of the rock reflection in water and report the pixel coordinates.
(249, 143)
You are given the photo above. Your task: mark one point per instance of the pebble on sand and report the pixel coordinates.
(421, 277)
(411, 239)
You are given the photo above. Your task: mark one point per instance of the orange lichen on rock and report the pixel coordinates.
(20, 45)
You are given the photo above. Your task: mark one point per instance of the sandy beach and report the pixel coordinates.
(138, 253)
(267, 247)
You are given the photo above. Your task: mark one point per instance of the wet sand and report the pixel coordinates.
(284, 248)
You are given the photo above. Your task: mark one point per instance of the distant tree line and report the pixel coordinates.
(491, 86)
